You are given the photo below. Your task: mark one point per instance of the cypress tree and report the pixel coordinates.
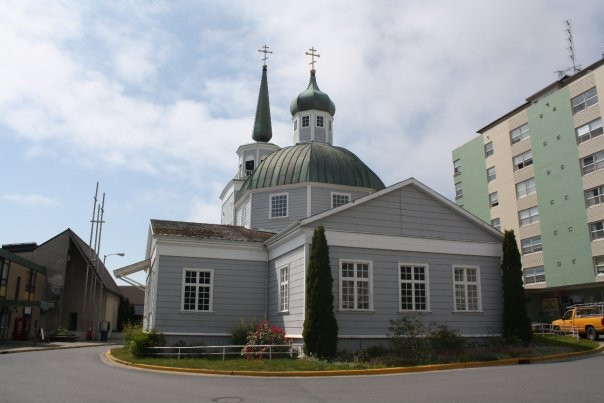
(320, 331)
(516, 323)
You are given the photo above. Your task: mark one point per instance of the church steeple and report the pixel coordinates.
(262, 124)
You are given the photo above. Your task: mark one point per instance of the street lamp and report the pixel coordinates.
(111, 254)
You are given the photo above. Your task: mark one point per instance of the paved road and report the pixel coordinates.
(83, 375)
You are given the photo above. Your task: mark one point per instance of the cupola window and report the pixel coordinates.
(249, 167)
(295, 124)
(305, 121)
(320, 121)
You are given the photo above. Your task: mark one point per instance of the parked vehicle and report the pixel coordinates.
(587, 319)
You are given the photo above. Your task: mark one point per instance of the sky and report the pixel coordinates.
(152, 98)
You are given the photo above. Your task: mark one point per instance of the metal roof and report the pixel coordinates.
(262, 123)
(312, 162)
(312, 98)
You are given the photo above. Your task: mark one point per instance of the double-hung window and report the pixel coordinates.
(532, 245)
(496, 223)
(458, 190)
(534, 275)
(596, 229)
(584, 100)
(466, 287)
(355, 286)
(305, 121)
(338, 199)
(592, 163)
(519, 133)
(284, 289)
(197, 290)
(414, 290)
(599, 264)
(488, 149)
(525, 188)
(493, 199)
(528, 216)
(491, 174)
(278, 207)
(589, 131)
(594, 196)
(456, 167)
(523, 160)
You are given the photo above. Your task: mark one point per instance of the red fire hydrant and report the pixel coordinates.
(89, 333)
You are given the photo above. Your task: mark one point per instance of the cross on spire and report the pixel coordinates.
(265, 51)
(312, 55)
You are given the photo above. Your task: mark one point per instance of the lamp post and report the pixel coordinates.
(111, 254)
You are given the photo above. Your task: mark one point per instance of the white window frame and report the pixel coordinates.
(465, 283)
(596, 230)
(320, 119)
(413, 283)
(270, 205)
(491, 174)
(356, 279)
(526, 188)
(496, 223)
(599, 265)
(596, 163)
(533, 273)
(589, 130)
(488, 149)
(520, 133)
(458, 190)
(523, 160)
(197, 286)
(339, 194)
(584, 100)
(283, 290)
(493, 199)
(457, 167)
(305, 121)
(594, 196)
(531, 244)
(532, 216)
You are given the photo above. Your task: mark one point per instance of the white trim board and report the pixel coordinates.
(411, 244)
(233, 250)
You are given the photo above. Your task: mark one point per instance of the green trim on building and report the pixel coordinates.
(473, 177)
(559, 183)
(22, 261)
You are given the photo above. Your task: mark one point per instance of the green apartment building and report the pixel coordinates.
(539, 170)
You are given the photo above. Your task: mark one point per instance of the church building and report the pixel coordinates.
(393, 250)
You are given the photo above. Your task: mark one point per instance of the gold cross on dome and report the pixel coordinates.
(312, 55)
(265, 51)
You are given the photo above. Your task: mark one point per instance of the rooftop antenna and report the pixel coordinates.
(575, 68)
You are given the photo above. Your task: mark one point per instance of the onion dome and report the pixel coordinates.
(262, 123)
(312, 162)
(312, 98)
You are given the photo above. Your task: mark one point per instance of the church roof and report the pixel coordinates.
(262, 123)
(312, 98)
(208, 231)
(312, 162)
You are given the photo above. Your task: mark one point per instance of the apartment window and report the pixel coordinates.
(523, 160)
(596, 230)
(592, 163)
(525, 188)
(599, 264)
(466, 286)
(585, 100)
(528, 216)
(413, 287)
(519, 133)
(531, 245)
(488, 149)
(589, 130)
(30, 286)
(491, 175)
(594, 196)
(458, 190)
(355, 286)
(338, 199)
(456, 167)
(496, 223)
(279, 205)
(4, 266)
(305, 121)
(320, 121)
(284, 289)
(533, 275)
(197, 290)
(493, 199)
(295, 124)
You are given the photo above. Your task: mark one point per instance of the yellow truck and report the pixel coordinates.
(586, 319)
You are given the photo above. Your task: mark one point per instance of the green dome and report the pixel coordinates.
(312, 98)
(312, 162)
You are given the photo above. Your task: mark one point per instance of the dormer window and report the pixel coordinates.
(305, 121)
(320, 121)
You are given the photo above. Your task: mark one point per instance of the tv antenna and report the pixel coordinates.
(575, 68)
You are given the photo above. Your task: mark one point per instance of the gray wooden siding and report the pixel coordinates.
(320, 134)
(296, 208)
(408, 212)
(238, 293)
(386, 292)
(321, 198)
(304, 133)
(293, 320)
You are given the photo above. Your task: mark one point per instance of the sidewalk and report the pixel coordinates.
(10, 346)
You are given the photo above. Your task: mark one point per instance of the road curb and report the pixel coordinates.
(376, 371)
(32, 349)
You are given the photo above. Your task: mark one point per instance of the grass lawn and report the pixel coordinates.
(546, 345)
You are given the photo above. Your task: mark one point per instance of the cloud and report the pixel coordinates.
(31, 199)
